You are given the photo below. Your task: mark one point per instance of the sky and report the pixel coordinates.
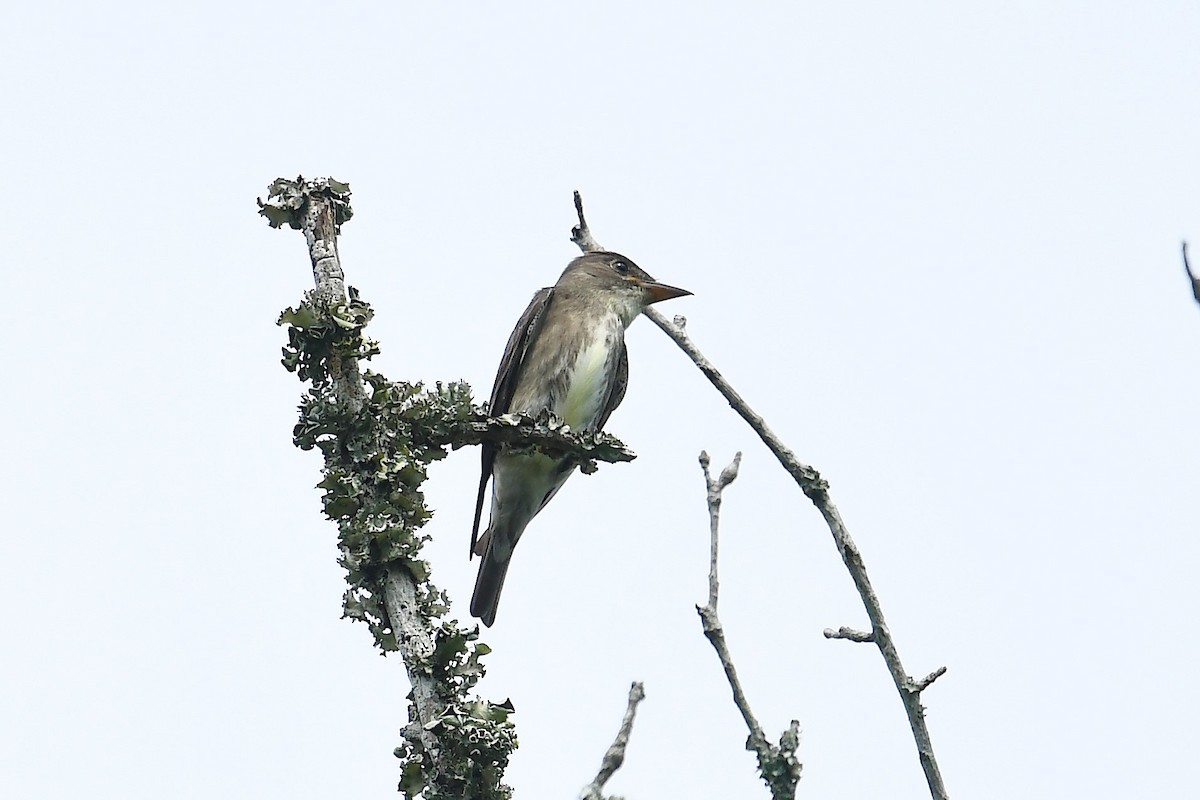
(936, 245)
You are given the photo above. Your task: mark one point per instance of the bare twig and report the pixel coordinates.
(581, 235)
(728, 475)
(778, 764)
(614, 757)
(817, 490)
(1187, 267)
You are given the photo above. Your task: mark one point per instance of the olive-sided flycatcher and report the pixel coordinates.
(566, 355)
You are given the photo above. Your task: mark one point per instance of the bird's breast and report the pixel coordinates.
(588, 379)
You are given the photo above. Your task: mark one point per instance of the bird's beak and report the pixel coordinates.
(660, 291)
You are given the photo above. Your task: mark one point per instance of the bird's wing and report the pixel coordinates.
(616, 392)
(506, 383)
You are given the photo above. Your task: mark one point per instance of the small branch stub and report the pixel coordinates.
(923, 684)
(849, 634)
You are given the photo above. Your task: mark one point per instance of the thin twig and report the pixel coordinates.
(714, 513)
(1188, 267)
(817, 490)
(581, 234)
(614, 757)
(777, 764)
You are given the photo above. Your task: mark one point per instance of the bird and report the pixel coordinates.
(567, 356)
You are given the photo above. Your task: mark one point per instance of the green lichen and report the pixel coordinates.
(377, 438)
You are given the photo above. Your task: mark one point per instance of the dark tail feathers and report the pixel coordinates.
(488, 585)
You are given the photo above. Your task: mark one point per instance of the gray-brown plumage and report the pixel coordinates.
(566, 355)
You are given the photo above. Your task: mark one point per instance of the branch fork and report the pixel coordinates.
(778, 765)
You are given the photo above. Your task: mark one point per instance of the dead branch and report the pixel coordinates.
(614, 757)
(778, 765)
(817, 490)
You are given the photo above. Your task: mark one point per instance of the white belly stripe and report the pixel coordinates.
(584, 398)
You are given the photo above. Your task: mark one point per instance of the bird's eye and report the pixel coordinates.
(621, 267)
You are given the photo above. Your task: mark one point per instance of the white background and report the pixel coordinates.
(935, 244)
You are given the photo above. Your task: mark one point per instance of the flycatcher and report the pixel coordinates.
(566, 355)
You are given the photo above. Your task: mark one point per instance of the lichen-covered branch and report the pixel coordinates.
(614, 757)
(817, 490)
(545, 433)
(777, 764)
(377, 438)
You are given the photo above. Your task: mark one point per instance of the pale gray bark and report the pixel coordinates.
(778, 765)
(614, 757)
(817, 490)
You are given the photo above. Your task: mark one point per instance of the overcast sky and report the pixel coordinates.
(935, 244)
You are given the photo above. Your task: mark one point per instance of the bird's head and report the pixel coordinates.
(614, 273)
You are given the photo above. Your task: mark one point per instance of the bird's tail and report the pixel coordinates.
(488, 584)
